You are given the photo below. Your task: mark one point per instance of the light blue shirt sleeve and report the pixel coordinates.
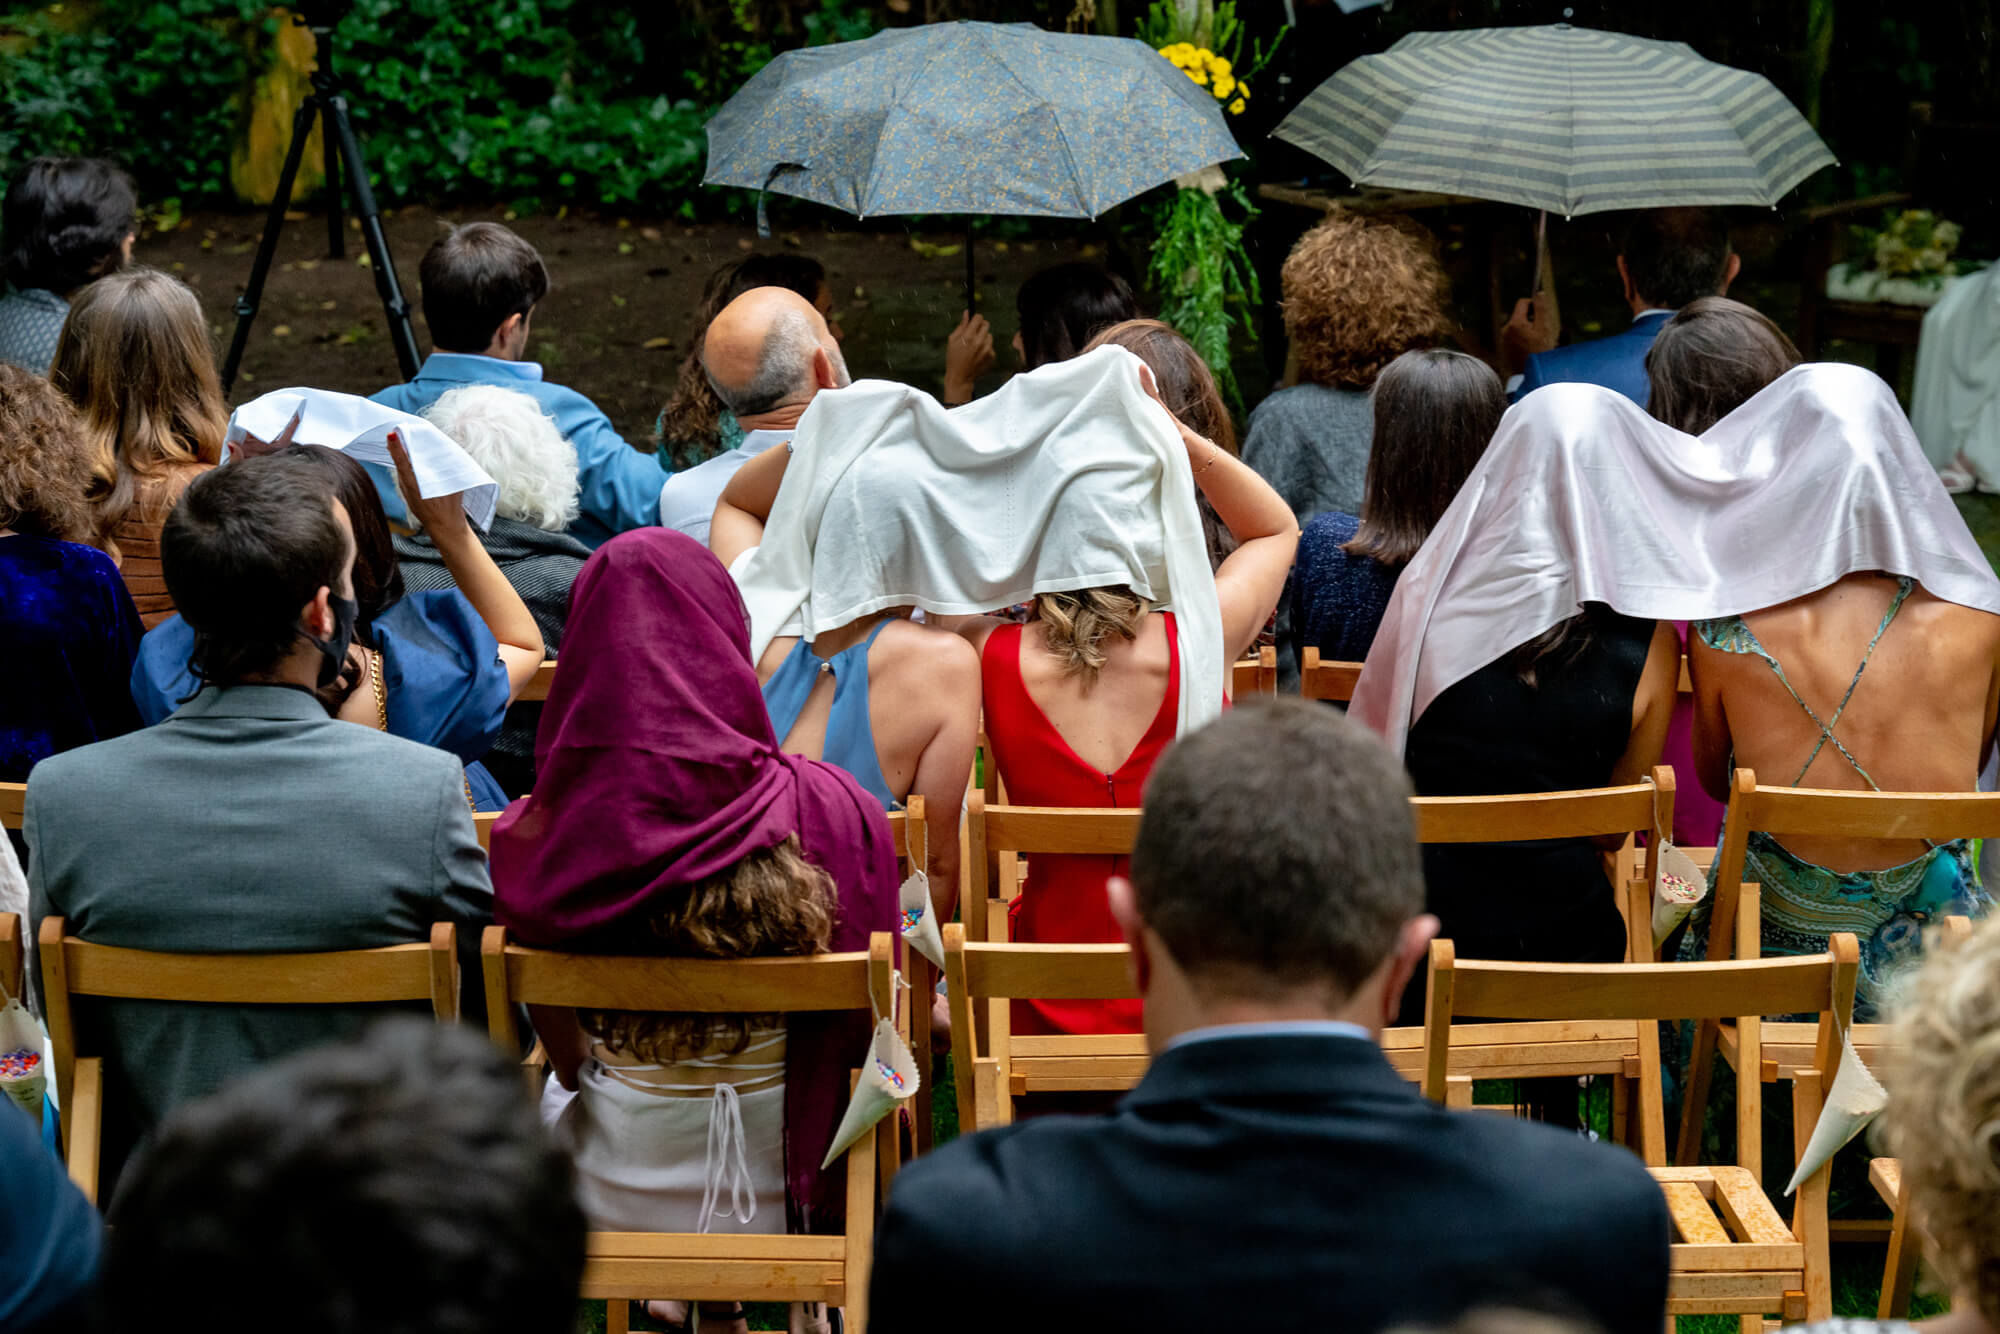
(621, 486)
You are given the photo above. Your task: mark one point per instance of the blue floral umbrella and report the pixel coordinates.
(967, 118)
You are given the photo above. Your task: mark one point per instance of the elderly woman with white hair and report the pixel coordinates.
(518, 445)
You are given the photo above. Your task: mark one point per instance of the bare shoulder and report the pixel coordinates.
(925, 658)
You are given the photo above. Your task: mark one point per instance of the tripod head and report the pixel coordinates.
(319, 15)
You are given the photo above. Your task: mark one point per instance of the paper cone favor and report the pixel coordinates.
(23, 1071)
(920, 926)
(1853, 1101)
(888, 1077)
(1677, 886)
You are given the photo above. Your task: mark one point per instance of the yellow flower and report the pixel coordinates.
(1242, 91)
(1217, 63)
(1236, 107)
(1224, 86)
(1198, 77)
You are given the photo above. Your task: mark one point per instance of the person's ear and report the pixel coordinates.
(317, 618)
(1125, 911)
(1729, 272)
(1625, 281)
(1413, 947)
(824, 376)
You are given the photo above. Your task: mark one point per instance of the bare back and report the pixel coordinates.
(1920, 718)
(1102, 722)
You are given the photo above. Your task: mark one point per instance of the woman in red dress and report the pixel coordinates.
(1082, 699)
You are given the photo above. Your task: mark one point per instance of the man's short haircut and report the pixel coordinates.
(473, 278)
(396, 1184)
(64, 222)
(1278, 851)
(1675, 255)
(243, 550)
(784, 367)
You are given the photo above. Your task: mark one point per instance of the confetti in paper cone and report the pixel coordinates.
(1854, 1100)
(1677, 887)
(888, 1077)
(919, 921)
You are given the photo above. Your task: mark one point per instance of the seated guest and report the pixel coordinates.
(398, 1184)
(1061, 308)
(436, 667)
(1666, 258)
(1944, 1091)
(1434, 411)
(1878, 568)
(480, 286)
(250, 820)
(1955, 403)
(666, 820)
(66, 222)
(1270, 951)
(765, 354)
(517, 444)
(135, 359)
(65, 616)
(49, 1234)
(1187, 387)
(695, 426)
(1708, 360)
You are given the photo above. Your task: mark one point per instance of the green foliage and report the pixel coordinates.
(1206, 285)
(537, 102)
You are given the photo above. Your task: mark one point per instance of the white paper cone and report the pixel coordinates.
(920, 926)
(1678, 885)
(20, 1033)
(888, 1077)
(1854, 1100)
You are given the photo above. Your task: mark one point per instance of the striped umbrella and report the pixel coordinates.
(1569, 120)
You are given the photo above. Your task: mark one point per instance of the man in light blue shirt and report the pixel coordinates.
(480, 286)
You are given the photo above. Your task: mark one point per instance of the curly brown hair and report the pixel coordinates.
(1358, 293)
(46, 465)
(773, 902)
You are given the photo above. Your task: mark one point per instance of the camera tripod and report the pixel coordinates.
(326, 102)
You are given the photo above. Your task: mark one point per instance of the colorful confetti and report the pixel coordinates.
(889, 1073)
(19, 1064)
(912, 916)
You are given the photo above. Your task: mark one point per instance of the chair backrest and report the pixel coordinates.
(72, 967)
(1254, 675)
(1488, 989)
(538, 685)
(1327, 680)
(13, 804)
(1820, 813)
(993, 832)
(11, 954)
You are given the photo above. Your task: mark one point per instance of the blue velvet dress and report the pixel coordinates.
(69, 631)
(441, 666)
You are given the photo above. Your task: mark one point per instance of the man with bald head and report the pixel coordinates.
(766, 355)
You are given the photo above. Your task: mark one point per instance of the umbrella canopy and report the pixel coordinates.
(967, 118)
(1571, 120)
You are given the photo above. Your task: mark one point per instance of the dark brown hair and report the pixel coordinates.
(1435, 411)
(378, 579)
(45, 475)
(474, 277)
(691, 423)
(1710, 358)
(1358, 293)
(1062, 306)
(1252, 901)
(1675, 256)
(64, 223)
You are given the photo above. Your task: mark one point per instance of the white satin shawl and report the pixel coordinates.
(1068, 477)
(1581, 497)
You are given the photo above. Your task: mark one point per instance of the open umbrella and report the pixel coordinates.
(967, 118)
(1568, 120)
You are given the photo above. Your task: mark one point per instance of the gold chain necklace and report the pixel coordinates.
(372, 661)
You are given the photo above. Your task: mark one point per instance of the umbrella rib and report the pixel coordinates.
(1062, 137)
(895, 106)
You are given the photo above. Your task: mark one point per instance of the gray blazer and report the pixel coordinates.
(247, 822)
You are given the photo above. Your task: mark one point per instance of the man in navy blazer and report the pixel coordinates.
(1272, 1165)
(1667, 258)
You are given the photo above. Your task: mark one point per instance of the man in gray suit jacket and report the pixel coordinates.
(250, 821)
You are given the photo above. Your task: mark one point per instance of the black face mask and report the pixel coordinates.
(333, 652)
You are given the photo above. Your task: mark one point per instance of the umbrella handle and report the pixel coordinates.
(1541, 253)
(971, 296)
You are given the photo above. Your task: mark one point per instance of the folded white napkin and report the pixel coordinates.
(1069, 477)
(360, 427)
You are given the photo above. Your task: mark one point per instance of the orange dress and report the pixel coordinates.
(138, 541)
(1063, 899)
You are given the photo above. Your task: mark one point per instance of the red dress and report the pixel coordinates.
(1063, 900)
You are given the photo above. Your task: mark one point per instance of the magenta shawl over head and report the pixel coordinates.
(655, 769)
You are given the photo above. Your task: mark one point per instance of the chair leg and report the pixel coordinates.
(1899, 1272)
(617, 1316)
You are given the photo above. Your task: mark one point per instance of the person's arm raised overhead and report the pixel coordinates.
(746, 503)
(478, 578)
(968, 354)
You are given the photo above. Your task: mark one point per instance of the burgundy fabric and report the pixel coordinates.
(655, 769)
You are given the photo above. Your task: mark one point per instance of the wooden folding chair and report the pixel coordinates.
(13, 804)
(1326, 680)
(538, 686)
(912, 838)
(1254, 675)
(1733, 1256)
(73, 968)
(12, 968)
(622, 1267)
(1627, 1051)
(1787, 1047)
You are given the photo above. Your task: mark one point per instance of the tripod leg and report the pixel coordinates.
(393, 303)
(267, 246)
(336, 243)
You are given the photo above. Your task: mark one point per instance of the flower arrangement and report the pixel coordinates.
(1210, 71)
(1915, 243)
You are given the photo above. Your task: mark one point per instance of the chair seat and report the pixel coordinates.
(1731, 1252)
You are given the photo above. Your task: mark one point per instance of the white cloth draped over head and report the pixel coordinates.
(1069, 477)
(357, 426)
(1582, 497)
(1956, 407)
